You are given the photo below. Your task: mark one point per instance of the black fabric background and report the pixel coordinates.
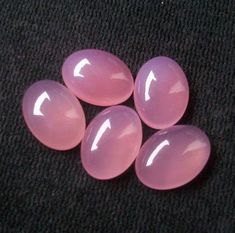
(42, 190)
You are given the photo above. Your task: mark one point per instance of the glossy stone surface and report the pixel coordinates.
(98, 77)
(161, 92)
(172, 157)
(111, 142)
(53, 114)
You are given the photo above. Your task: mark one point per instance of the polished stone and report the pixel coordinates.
(98, 77)
(161, 92)
(111, 142)
(172, 157)
(53, 115)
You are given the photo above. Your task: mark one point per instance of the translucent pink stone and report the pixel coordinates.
(111, 142)
(54, 115)
(98, 77)
(172, 157)
(161, 92)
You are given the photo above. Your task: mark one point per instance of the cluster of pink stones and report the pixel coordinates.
(170, 158)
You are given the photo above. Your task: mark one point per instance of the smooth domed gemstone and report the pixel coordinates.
(53, 115)
(98, 77)
(172, 157)
(111, 142)
(161, 92)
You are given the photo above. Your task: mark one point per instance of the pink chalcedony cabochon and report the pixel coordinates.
(111, 142)
(161, 92)
(53, 115)
(98, 77)
(172, 157)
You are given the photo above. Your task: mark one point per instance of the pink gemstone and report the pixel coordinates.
(98, 77)
(54, 115)
(172, 157)
(161, 92)
(111, 142)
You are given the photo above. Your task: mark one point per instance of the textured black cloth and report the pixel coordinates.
(42, 190)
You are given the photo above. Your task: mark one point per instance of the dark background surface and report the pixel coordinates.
(42, 190)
